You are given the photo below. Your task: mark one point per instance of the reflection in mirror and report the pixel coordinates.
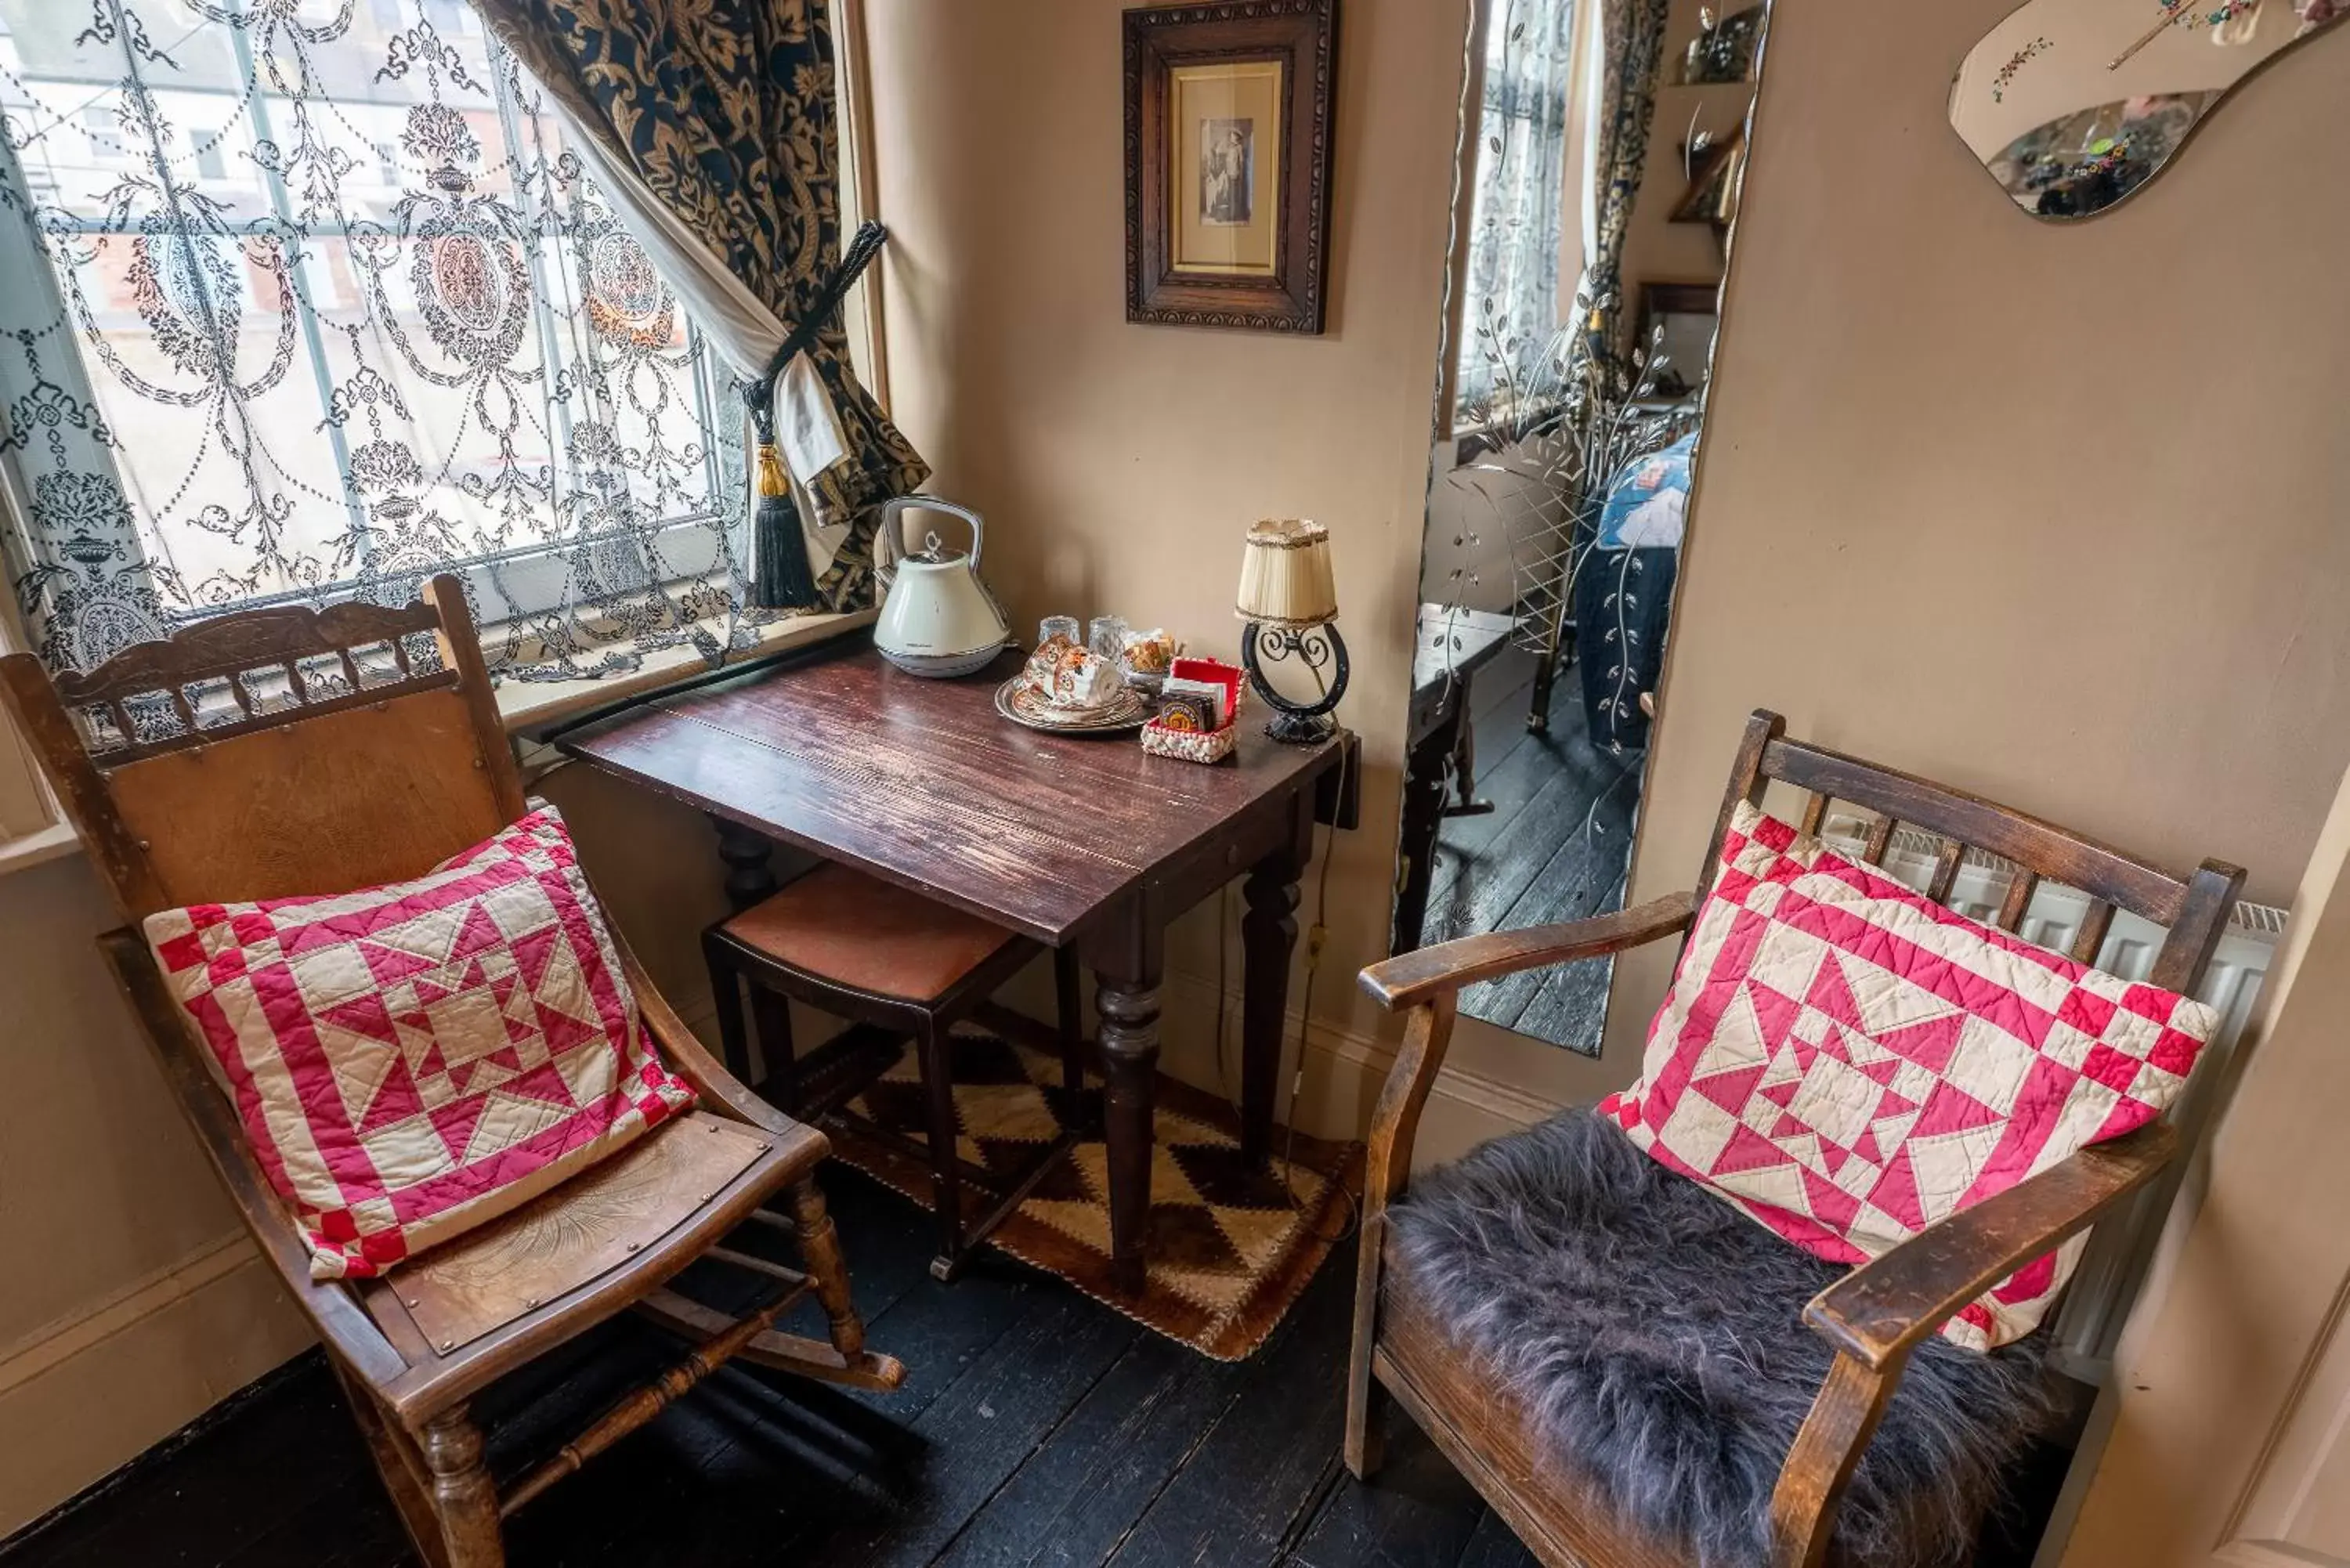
(1601, 175)
(2072, 105)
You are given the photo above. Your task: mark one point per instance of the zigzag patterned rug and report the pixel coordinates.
(1229, 1247)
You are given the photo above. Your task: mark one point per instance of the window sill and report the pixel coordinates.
(51, 843)
(536, 704)
(531, 705)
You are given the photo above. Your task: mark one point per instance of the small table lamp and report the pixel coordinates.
(1290, 600)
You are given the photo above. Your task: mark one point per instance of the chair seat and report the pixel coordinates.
(846, 928)
(1648, 1346)
(573, 1255)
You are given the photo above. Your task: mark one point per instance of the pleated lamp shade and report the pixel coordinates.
(1285, 578)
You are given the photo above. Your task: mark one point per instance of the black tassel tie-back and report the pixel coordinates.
(780, 577)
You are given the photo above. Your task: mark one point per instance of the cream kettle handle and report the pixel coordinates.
(889, 541)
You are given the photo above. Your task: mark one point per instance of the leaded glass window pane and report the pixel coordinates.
(340, 309)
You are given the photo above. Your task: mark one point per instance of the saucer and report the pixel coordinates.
(1020, 704)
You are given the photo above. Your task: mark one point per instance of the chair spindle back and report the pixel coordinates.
(276, 752)
(2193, 909)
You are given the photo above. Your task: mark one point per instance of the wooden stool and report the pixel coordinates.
(871, 951)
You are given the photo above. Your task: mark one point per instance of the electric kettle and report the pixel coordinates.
(937, 617)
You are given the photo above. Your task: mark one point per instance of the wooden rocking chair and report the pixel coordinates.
(282, 752)
(1872, 1318)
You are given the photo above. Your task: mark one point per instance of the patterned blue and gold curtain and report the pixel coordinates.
(1632, 35)
(724, 113)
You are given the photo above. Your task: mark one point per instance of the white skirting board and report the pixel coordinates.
(84, 1396)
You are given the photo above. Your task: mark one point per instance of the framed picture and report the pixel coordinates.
(1228, 163)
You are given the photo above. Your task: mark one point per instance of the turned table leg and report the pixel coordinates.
(749, 877)
(1129, 1005)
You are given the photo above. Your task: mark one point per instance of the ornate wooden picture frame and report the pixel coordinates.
(1228, 163)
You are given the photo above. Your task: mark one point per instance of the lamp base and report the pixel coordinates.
(1298, 724)
(1302, 728)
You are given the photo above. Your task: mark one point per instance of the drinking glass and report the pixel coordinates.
(1106, 638)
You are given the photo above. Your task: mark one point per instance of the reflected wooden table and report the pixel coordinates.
(1440, 753)
(1069, 840)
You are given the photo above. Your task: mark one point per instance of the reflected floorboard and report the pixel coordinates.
(1557, 846)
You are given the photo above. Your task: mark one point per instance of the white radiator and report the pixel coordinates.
(2089, 1320)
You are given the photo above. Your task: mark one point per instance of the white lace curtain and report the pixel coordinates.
(1526, 222)
(307, 300)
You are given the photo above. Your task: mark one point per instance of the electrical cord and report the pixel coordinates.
(1317, 937)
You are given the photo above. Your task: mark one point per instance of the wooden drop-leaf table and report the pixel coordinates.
(1066, 839)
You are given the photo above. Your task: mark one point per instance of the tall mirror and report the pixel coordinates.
(1601, 152)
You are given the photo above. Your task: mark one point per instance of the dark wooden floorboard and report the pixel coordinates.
(1512, 768)
(1465, 844)
(1039, 1429)
(1078, 1496)
(1248, 1493)
(984, 1428)
(1584, 876)
(1491, 1545)
(1420, 1513)
(351, 1524)
(182, 1517)
(1484, 891)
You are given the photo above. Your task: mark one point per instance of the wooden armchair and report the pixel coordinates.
(284, 752)
(1873, 1317)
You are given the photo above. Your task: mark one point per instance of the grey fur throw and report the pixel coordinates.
(1657, 1336)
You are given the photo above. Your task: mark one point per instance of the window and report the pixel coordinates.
(103, 131)
(325, 306)
(1526, 238)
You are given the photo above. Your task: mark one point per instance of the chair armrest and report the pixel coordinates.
(331, 1307)
(1410, 979)
(1882, 1308)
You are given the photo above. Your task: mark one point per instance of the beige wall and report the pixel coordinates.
(129, 1300)
(2222, 1433)
(1118, 464)
(2057, 514)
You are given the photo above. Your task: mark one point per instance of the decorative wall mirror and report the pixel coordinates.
(1579, 330)
(2073, 105)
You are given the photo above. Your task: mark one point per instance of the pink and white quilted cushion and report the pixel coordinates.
(413, 1060)
(1848, 1062)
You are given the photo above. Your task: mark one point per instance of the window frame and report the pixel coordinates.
(34, 825)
